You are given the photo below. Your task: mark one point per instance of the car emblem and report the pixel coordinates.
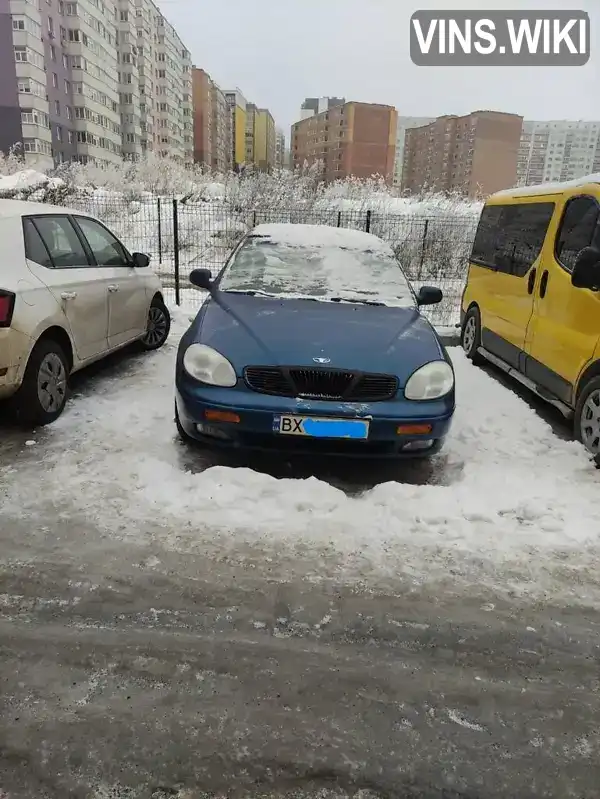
(322, 360)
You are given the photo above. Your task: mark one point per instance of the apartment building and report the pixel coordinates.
(404, 124)
(474, 155)
(265, 140)
(59, 81)
(557, 150)
(202, 116)
(351, 139)
(173, 93)
(129, 79)
(237, 104)
(316, 105)
(82, 80)
(212, 141)
(221, 130)
(250, 133)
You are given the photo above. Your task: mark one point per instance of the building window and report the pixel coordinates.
(31, 116)
(55, 80)
(69, 112)
(52, 52)
(67, 87)
(59, 135)
(57, 108)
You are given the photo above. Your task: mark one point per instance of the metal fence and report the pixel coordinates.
(180, 236)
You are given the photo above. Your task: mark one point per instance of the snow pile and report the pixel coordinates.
(431, 234)
(25, 181)
(519, 514)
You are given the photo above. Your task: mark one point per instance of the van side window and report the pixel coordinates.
(484, 246)
(578, 229)
(521, 235)
(511, 239)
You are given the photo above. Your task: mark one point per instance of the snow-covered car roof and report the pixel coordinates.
(17, 208)
(322, 236)
(547, 188)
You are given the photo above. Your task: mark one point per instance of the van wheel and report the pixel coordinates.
(587, 418)
(470, 336)
(43, 393)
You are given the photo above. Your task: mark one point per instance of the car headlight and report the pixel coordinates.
(429, 382)
(209, 366)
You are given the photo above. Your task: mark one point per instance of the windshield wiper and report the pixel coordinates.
(251, 293)
(360, 302)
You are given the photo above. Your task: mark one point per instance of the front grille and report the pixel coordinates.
(326, 384)
(268, 380)
(321, 383)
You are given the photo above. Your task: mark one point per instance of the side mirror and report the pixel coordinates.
(429, 295)
(201, 278)
(586, 271)
(140, 259)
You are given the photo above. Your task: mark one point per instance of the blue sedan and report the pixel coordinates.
(311, 340)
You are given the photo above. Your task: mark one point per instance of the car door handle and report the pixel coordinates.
(68, 295)
(531, 282)
(544, 284)
(113, 288)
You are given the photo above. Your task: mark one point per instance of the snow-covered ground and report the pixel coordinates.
(519, 516)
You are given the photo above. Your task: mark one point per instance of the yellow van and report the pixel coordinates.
(531, 303)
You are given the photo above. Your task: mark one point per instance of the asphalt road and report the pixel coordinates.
(131, 671)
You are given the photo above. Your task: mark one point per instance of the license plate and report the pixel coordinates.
(316, 427)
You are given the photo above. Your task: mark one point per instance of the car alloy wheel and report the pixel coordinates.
(469, 335)
(589, 424)
(51, 383)
(158, 326)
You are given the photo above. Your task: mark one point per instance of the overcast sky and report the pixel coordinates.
(280, 51)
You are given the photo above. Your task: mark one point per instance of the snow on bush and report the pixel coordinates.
(431, 233)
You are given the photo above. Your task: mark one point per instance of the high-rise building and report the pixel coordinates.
(316, 105)
(265, 140)
(404, 124)
(173, 93)
(221, 130)
(202, 116)
(237, 115)
(557, 150)
(474, 155)
(92, 80)
(352, 139)
(259, 138)
(129, 79)
(250, 133)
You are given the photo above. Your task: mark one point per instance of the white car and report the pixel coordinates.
(70, 293)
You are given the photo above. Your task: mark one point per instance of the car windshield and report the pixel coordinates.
(315, 271)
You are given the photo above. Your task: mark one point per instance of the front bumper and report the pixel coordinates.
(255, 411)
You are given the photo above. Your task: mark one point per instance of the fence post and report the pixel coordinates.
(176, 252)
(368, 222)
(339, 224)
(159, 231)
(423, 243)
(254, 218)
